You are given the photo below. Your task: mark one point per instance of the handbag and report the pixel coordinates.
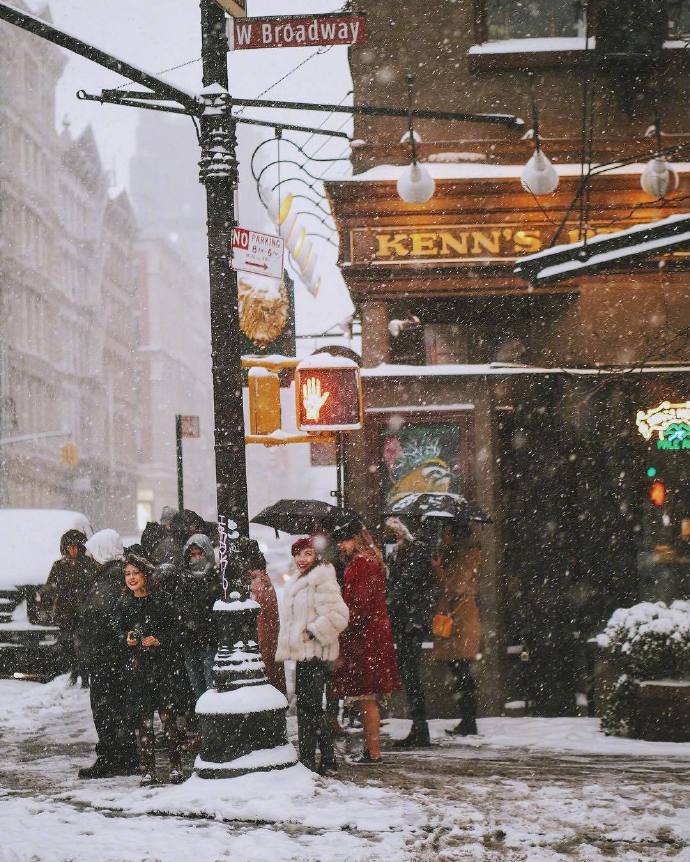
(442, 626)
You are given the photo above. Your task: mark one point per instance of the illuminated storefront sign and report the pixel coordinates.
(455, 243)
(670, 423)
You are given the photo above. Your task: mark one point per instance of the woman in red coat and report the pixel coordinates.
(366, 668)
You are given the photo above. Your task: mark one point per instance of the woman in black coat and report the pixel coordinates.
(146, 623)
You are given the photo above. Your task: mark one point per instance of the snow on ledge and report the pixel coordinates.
(479, 170)
(544, 44)
(479, 370)
(326, 360)
(264, 758)
(255, 698)
(531, 46)
(247, 604)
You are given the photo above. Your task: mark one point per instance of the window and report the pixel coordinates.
(529, 19)
(678, 19)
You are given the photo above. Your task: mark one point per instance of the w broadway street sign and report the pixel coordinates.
(296, 31)
(260, 253)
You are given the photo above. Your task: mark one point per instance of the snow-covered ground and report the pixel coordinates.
(525, 790)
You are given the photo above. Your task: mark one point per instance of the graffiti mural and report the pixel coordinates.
(421, 458)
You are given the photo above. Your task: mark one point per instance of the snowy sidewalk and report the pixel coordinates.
(526, 790)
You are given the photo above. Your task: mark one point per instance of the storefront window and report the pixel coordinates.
(533, 19)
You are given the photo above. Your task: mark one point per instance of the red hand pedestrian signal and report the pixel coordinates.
(328, 393)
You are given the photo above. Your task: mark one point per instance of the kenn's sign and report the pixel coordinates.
(453, 243)
(296, 31)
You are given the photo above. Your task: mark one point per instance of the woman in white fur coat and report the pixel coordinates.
(313, 614)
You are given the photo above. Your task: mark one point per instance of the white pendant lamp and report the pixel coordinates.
(658, 178)
(539, 176)
(416, 185)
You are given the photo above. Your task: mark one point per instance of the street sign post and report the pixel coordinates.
(185, 426)
(234, 7)
(189, 426)
(296, 31)
(260, 253)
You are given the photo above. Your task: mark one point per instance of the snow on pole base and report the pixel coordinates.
(243, 718)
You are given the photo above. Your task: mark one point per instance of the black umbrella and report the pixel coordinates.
(451, 507)
(296, 517)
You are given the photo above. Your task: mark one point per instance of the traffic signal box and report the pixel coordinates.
(328, 390)
(328, 395)
(264, 401)
(69, 454)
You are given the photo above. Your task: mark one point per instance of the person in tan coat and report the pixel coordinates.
(457, 625)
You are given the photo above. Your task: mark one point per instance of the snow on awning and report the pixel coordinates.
(636, 243)
(388, 370)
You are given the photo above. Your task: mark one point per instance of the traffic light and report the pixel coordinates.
(69, 454)
(264, 401)
(328, 390)
(657, 492)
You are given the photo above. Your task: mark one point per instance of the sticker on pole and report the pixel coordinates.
(260, 253)
(297, 31)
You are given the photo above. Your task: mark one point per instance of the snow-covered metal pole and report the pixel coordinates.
(243, 714)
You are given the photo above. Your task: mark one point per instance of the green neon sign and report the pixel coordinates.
(676, 437)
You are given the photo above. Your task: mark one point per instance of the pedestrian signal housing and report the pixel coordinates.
(328, 390)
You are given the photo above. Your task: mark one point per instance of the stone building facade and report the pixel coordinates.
(67, 336)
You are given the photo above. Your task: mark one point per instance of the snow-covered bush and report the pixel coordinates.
(648, 641)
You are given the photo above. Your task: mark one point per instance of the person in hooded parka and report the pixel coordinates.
(196, 590)
(100, 648)
(68, 583)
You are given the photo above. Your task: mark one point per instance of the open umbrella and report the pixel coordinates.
(295, 516)
(452, 507)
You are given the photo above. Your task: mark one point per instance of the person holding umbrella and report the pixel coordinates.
(367, 669)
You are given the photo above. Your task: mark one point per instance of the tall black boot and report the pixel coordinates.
(418, 737)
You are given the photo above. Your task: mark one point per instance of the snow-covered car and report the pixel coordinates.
(29, 545)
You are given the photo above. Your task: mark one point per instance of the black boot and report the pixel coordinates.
(466, 727)
(418, 737)
(100, 769)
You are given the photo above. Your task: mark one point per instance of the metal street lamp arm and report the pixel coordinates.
(65, 40)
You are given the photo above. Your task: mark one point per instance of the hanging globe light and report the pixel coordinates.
(658, 178)
(416, 185)
(539, 176)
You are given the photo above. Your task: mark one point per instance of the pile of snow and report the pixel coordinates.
(30, 541)
(57, 711)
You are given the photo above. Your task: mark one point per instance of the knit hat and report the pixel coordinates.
(301, 544)
(104, 546)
